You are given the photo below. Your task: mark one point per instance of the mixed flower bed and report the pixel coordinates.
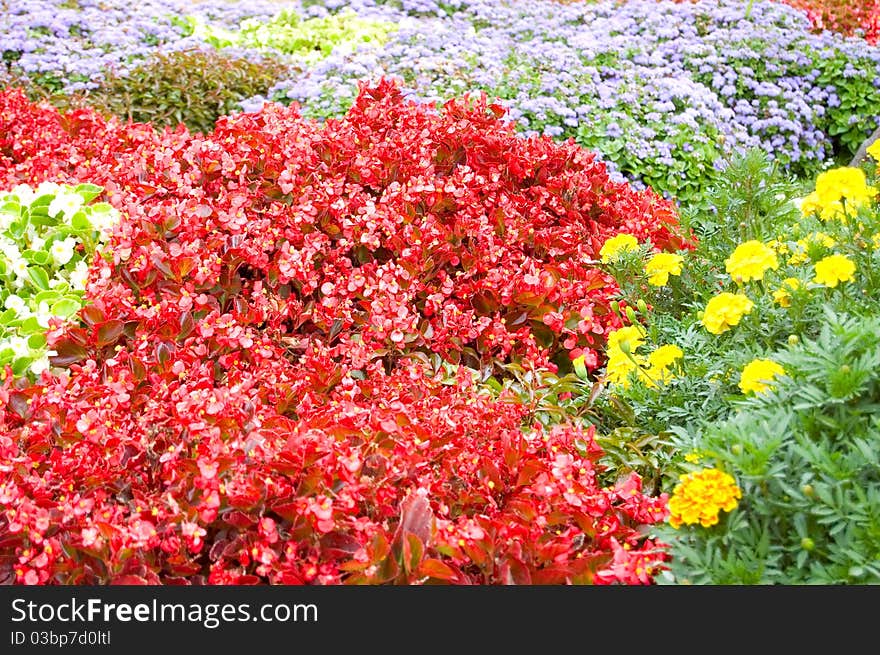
(487, 293)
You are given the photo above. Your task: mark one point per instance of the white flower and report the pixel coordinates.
(24, 193)
(104, 219)
(20, 346)
(37, 243)
(46, 188)
(41, 364)
(20, 268)
(79, 275)
(43, 314)
(14, 302)
(9, 249)
(62, 251)
(65, 203)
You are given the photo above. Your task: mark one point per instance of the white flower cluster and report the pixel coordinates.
(47, 237)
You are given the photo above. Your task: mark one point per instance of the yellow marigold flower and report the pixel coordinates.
(692, 457)
(724, 311)
(834, 269)
(658, 364)
(839, 193)
(619, 367)
(750, 260)
(821, 238)
(783, 294)
(634, 335)
(665, 356)
(758, 374)
(810, 205)
(798, 258)
(621, 351)
(874, 150)
(617, 245)
(700, 496)
(779, 247)
(661, 266)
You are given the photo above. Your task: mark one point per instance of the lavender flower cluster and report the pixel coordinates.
(665, 91)
(69, 45)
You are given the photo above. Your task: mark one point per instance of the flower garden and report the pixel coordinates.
(421, 292)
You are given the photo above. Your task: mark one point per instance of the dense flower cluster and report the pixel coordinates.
(661, 89)
(306, 40)
(845, 16)
(64, 45)
(268, 385)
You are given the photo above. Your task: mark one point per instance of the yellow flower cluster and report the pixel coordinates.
(699, 496)
(724, 311)
(783, 294)
(874, 150)
(623, 360)
(750, 260)
(834, 269)
(758, 375)
(614, 247)
(839, 193)
(661, 266)
(806, 247)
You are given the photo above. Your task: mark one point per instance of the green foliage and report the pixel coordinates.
(193, 87)
(307, 41)
(804, 451)
(47, 238)
(806, 457)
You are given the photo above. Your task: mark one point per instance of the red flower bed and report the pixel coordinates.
(252, 397)
(844, 16)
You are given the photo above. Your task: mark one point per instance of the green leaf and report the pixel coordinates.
(37, 341)
(39, 277)
(88, 191)
(30, 326)
(38, 257)
(7, 317)
(80, 222)
(66, 307)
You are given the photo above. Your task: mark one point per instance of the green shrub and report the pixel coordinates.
(193, 87)
(806, 458)
(783, 398)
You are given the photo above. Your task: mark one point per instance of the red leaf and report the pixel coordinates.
(434, 568)
(128, 580)
(109, 332)
(68, 353)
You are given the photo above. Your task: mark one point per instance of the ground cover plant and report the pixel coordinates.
(410, 292)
